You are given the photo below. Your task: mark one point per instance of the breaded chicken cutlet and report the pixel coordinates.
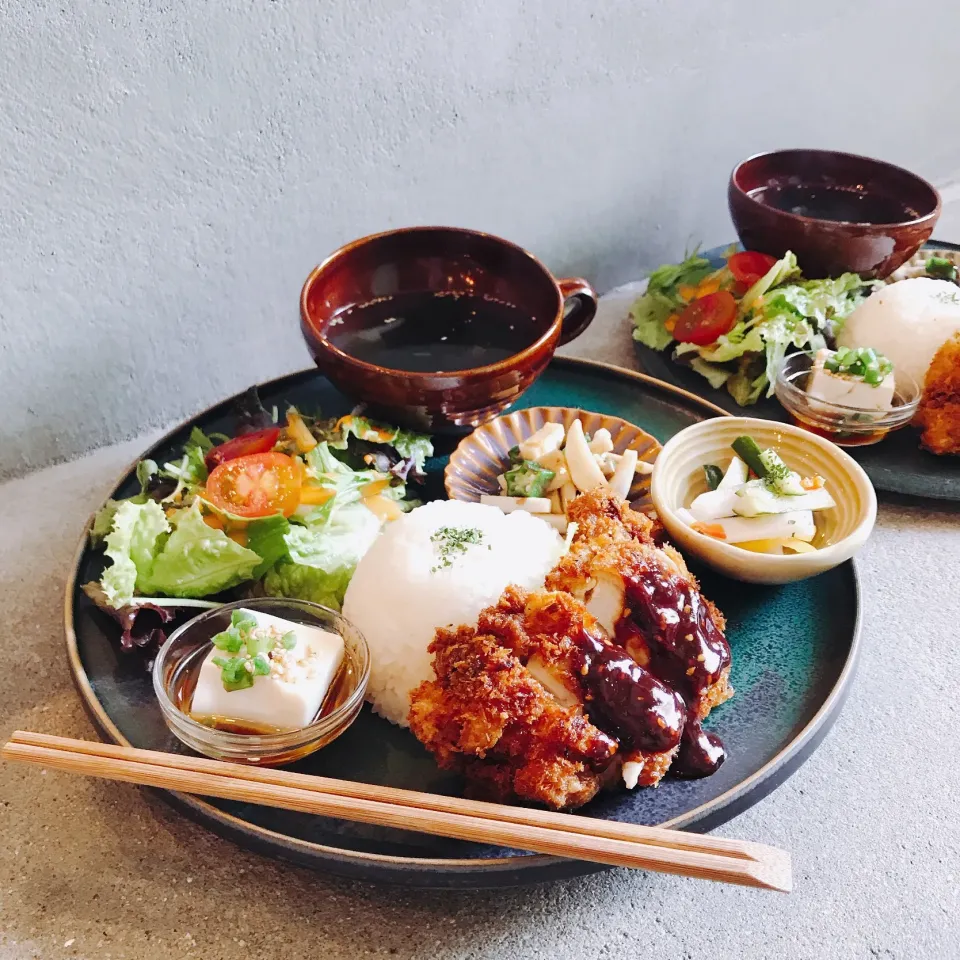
(939, 412)
(543, 701)
(487, 717)
(534, 703)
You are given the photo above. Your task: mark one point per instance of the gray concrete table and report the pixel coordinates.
(96, 869)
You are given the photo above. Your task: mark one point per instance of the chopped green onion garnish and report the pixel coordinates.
(229, 640)
(243, 620)
(861, 362)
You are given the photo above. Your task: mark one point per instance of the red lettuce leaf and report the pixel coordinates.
(142, 623)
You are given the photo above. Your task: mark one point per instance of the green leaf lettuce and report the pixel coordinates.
(322, 556)
(130, 546)
(661, 300)
(193, 560)
(197, 560)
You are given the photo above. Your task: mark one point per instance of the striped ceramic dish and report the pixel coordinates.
(483, 455)
(678, 477)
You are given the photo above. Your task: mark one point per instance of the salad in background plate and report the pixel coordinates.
(735, 324)
(283, 509)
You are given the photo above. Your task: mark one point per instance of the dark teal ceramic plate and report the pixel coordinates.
(794, 655)
(897, 464)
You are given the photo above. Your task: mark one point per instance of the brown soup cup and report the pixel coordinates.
(440, 260)
(880, 214)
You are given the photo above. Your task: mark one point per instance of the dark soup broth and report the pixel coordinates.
(431, 332)
(841, 204)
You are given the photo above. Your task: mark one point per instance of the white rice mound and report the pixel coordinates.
(907, 321)
(401, 591)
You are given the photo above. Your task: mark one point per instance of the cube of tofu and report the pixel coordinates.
(290, 696)
(601, 442)
(547, 439)
(561, 477)
(849, 391)
(568, 493)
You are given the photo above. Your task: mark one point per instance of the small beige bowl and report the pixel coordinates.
(678, 477)
(476, 463)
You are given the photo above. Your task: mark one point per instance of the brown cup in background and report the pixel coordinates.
(828, 248)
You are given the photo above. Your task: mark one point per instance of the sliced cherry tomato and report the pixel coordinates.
(749, 266)
(257, 485)
(261, 441)
(706, 319)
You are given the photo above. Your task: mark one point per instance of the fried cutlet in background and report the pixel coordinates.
(939, 412)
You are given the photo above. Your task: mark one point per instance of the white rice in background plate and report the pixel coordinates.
(908, 322)
(404, 588)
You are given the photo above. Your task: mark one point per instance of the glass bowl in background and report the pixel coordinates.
(845, 426)
(186, 648)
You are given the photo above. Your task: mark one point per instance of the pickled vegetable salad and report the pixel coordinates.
(759, 503)
(284, 510)
(735, 324)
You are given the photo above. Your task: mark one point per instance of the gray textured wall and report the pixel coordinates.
(172, 170)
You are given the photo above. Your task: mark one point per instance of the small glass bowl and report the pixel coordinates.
(186, 648)
(845, 426)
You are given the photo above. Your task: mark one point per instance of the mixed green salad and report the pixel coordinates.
(734, 325)
(279, 509)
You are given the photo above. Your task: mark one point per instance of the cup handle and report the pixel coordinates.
(582, 309)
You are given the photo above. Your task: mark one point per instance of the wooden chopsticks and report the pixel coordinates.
(539, 831)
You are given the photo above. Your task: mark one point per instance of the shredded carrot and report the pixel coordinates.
(686, 291)
(212, 520)
(383, 508)
(313, 496)
(299, 432)
(812, 483)
(670, 323)
(375, 487)
(714, 530)
(708, 285)
(238, 536)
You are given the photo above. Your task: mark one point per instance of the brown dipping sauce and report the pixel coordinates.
(840, 204)
(432, 332)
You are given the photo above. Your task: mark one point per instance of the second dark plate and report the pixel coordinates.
(897, 464)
